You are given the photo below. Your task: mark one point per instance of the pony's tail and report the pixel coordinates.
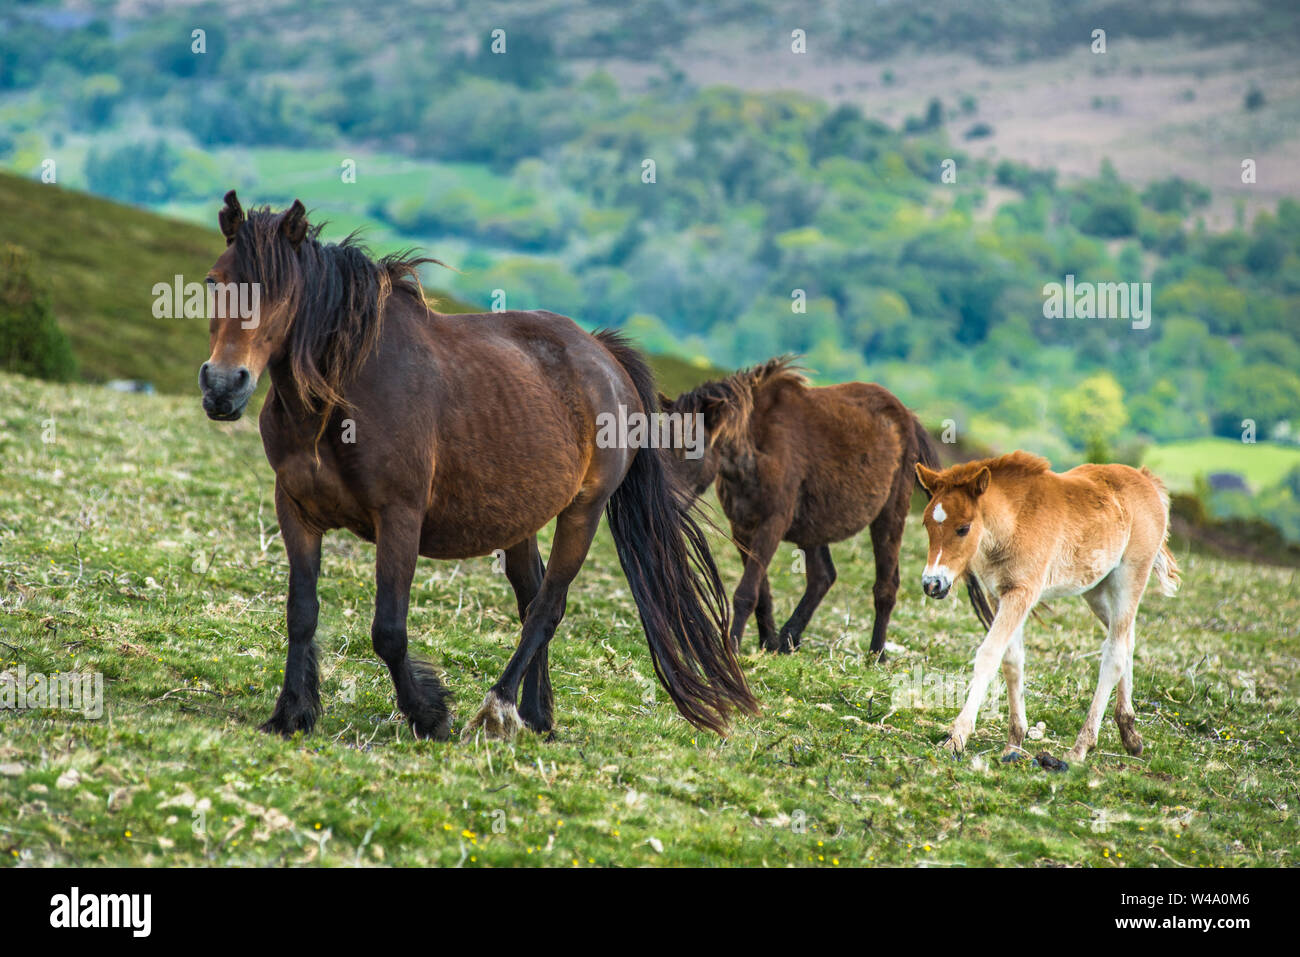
(1167, 573)
(1165, 566)
(675, 583)
(928, 455)
(927, 452)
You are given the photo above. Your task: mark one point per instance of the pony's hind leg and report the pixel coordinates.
(821, 576)
(420, 694)
(1115, 602)
(1125, 715)
(574, 529)
(299, 703)
(886, 540)
(525, 569)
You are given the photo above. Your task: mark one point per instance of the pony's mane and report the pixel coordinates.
(333, 295)
(1013, 463)
(729, 402)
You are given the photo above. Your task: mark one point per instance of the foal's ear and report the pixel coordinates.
(664, 401)
(927, 478)
(294, 223)
(980, 483)
(231, 217)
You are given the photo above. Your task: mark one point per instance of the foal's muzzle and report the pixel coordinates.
(226, 391)
(936, 586)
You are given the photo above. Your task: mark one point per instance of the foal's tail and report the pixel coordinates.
(928, 455)
(677, 588)
(1165, 567)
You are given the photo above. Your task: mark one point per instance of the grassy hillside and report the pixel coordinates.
(140, 543)
(101, 259)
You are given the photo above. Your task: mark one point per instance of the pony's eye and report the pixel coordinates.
(963, 530)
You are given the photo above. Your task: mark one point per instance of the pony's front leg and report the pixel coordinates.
(299, 703)
(762, 546)
(420, 694)
(763, 610)
(1013, 673)
(1012, 610)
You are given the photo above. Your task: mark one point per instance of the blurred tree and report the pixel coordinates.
(1263, 392)
(1092, 414)
(31, 342)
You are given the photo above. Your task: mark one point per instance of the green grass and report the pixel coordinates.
(140, 544)
(1261, 464)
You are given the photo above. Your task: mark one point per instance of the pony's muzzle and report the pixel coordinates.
(936, 586)
(225, 390)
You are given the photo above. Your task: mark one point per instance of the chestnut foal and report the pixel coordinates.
(1030, 534)
(810, 466)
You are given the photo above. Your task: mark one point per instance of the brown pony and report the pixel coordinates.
(1030, 534)
(809, 466)
(450, 437)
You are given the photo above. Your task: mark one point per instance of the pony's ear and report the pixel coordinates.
(980, 483)
(664, 401)
(726, 417)
(231, 217)
(719, 414)
(927, 478)
(294, 223)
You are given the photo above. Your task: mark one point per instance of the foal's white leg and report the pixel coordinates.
(1010, 619)
(1124, 591)
(1125, 716)
(1013, 667)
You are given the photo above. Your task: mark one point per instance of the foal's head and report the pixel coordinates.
(953, 522)
(726, 407)
(252, 286)
(697, 468)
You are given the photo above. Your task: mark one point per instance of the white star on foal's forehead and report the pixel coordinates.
(939, 513)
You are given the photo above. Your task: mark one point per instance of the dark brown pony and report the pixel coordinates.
(810, 466)
(451, 437)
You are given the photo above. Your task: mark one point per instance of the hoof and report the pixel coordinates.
(1049, 763)
(429, 716)
(953, 747)
(1128, 734)
(539, 724)
(1012, 757)
(433, 727)
(497, 718)
(290, 717)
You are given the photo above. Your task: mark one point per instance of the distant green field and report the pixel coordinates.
(1261, 464)
(277, 176)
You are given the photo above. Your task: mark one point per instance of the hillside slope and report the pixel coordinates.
(140, 544)
(100, 261)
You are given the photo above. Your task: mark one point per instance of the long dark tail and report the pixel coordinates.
(928, 455)
(676, 585)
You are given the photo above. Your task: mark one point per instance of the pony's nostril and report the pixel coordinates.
(203, 376)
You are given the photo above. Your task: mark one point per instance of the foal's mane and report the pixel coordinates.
(333, 294)
(1012, 464)
(729, 402)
